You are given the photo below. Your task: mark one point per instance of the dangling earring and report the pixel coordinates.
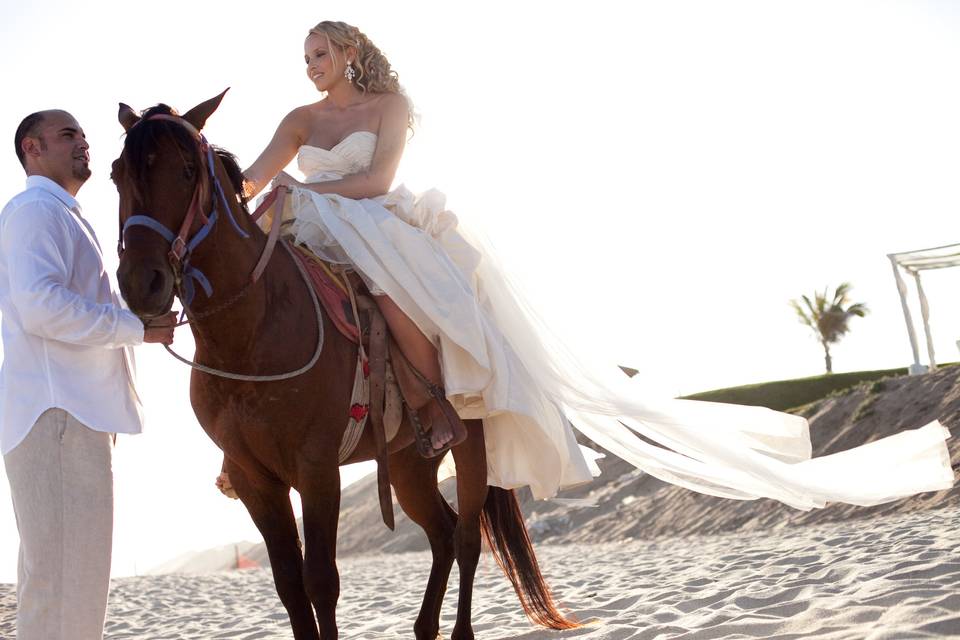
(349, 73)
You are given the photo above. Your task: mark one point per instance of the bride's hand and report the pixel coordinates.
(284, 179)
(250, 188)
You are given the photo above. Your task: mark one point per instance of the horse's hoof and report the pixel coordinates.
(462, 635)
(421, 634)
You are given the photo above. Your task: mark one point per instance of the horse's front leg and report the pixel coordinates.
(320, 494)
(268, 503)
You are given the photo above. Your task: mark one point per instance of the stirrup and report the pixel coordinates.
(447, 412)
(422, 435)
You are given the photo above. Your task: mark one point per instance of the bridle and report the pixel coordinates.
(182, 247)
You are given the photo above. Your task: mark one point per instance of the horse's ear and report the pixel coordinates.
(127, 117)
(199, 114)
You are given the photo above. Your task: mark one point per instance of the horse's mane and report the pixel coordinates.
(143, 140)
(232, 168)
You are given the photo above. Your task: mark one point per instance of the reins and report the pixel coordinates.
(182, 247)
(280, 376)
(277, 195)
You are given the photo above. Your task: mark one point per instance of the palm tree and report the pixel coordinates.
(829, 318)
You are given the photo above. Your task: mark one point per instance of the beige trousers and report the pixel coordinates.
(61, 481)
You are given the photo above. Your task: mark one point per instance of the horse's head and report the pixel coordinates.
(163, 179)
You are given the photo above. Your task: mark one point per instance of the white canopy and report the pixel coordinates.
(913, 262)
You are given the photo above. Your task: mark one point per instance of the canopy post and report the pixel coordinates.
(925, 314)
(916, 367)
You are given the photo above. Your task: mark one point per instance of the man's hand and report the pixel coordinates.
(160, 329)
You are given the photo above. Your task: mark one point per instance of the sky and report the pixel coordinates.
(661, 176)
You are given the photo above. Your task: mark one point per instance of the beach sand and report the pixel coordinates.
(627, 554)
(892, 577)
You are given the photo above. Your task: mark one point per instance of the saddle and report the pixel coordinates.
(385, 383)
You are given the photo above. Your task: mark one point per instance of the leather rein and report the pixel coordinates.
(182, 247)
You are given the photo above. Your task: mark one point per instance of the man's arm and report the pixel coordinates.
(39, 248)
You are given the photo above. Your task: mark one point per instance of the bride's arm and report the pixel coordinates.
(278, 154)
(376, 180)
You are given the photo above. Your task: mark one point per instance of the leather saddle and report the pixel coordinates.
(394, 383)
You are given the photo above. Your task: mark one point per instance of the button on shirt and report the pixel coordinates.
(66, 338)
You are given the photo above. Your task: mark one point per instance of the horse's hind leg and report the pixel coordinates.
(415, 482)
(471, 459)
(320, 495)
(268, 503)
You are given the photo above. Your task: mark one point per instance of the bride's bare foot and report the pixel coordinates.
(225, 487)
(441, 436)
(440, 432)
(437, 427)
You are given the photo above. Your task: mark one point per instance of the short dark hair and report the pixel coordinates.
(28, 128)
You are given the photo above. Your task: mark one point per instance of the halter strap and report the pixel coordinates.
(150, 223)
(181, 248)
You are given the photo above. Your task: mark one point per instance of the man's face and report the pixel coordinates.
(61, 152)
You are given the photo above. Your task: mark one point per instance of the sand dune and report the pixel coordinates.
(629, 504)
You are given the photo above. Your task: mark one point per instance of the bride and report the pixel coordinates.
(459, 322)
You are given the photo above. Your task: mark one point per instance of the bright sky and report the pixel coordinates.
(663, 178)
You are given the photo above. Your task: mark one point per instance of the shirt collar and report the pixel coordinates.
(51, 187)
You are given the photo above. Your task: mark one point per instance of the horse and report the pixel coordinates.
(285, 432)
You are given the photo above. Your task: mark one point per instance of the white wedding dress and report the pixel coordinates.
(501, 364)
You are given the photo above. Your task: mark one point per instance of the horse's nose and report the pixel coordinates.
(157, 282)
(144, 282)
(144, 287)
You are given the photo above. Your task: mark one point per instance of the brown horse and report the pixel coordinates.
(285, 434)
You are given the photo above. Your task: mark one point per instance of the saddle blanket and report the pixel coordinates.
(331, 289)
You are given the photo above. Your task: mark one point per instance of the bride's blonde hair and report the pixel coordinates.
(372, 67)
(373, 70)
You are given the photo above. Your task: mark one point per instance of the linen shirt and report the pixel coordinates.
(66, 338)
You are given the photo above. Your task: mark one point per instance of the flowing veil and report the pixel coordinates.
(725, 450)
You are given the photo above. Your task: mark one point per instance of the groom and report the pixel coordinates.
(66, 385)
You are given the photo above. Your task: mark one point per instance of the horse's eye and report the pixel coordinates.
(188, 171)
(151, 157)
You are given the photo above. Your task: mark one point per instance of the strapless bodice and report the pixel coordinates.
(426, 211)
(351, 155)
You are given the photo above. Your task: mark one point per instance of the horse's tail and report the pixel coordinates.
(506, 535)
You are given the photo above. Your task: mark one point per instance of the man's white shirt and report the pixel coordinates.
(67, 341)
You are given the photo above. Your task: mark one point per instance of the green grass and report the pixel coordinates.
(790, 394)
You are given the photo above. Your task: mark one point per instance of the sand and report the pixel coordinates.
(646, 560)
(891, 577)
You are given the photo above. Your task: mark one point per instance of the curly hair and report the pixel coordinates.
(373, 72)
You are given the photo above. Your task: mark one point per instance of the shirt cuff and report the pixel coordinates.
(130, 331)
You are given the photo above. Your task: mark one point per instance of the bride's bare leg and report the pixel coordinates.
(420, 352)
(415, 346)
